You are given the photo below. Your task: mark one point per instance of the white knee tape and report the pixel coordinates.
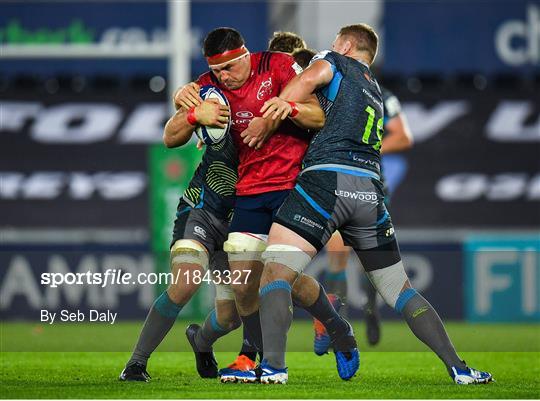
(224, 292)
(389, 282)
(189, 251)
(245, 246)
(292, 257)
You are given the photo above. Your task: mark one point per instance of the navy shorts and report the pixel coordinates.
(255, 213)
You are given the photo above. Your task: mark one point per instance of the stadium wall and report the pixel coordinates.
(86, 184)
(99, 178)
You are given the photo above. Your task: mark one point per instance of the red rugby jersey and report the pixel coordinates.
(275, 166)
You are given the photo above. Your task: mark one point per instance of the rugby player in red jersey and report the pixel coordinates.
(265, 174)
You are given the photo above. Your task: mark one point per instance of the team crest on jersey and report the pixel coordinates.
(244, 114)
(265, 89)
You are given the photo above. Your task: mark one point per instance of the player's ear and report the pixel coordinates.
(348, 46)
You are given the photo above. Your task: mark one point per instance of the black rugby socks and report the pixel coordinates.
(323, 310)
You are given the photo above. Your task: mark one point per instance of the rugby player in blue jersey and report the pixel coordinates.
(200, 229)
(397, 137)
(343, 159)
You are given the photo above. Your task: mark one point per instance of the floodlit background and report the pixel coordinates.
(85, 183)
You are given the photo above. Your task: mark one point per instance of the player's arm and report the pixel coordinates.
(310, 115)
(297, 100)
(306, 114)
(181, 125)
(178, 130)
(398, 136)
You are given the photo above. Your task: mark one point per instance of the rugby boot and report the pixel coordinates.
(134, 372)
(470, 376)
(236, 371)
(270, 375)
(206, 363)
(347, 355)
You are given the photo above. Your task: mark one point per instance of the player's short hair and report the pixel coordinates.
(285, 42)
(364, 37)
(220, 40)
(303, 56)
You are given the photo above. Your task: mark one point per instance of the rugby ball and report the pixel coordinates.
(212, 135)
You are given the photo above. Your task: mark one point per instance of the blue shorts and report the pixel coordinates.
(255, 213)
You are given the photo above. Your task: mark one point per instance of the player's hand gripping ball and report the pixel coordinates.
(212, 135)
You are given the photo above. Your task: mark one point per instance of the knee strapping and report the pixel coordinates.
(189, 251)
(389, 282)
(245, 246)
(290, 256)
(224, 292)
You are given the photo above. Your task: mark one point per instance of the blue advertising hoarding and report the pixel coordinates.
(120, 23)
(488, 279)
(250, 18)
(502, 279)
(121, 279)
(434, 268)
(497, 36)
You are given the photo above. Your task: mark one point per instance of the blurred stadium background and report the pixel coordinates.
(85, 183)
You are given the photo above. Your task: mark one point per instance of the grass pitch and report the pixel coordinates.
(97, 354)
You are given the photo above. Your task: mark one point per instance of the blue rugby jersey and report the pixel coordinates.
(353, 106)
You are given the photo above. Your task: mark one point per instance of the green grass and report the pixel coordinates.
(100, 351)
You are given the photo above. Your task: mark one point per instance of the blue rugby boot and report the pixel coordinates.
(270, 375)
(470, 376)
(228, 375)
(235, 371)
(347, 354)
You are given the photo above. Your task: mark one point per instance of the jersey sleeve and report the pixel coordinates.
(286, 66)
(327, 55)
(392, 106)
